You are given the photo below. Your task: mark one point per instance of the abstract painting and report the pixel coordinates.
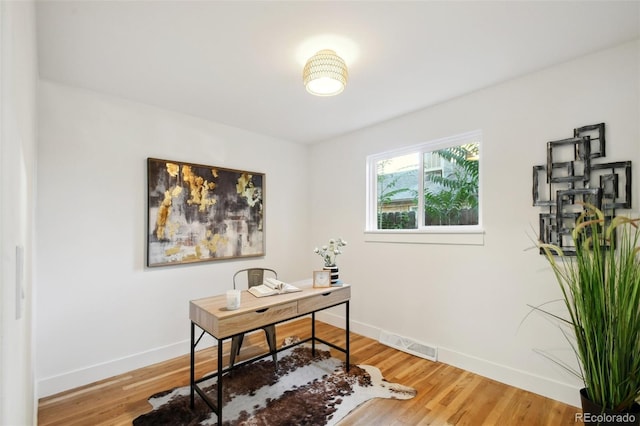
(200, 213)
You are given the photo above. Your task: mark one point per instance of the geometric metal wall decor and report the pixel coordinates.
(575, 173)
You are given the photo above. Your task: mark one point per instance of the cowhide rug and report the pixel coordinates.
(303, 391)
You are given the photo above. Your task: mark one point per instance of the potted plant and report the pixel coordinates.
(601, 290)
(329, 253)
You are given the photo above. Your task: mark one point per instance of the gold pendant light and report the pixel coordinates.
(325, 74)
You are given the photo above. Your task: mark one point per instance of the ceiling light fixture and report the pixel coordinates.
(325, 74)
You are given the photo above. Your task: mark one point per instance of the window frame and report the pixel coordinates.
(439, 234)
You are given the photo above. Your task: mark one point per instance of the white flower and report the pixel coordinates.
(330, 252)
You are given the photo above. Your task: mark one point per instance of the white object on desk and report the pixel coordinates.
(322, 278)
(271, 287)
(233, 299)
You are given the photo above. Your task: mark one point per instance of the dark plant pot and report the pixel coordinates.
(334, 273)
(594, 414)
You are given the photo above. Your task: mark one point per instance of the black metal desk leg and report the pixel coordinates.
(313, 334)
(219, 382)
(347, 336)
(192, 378)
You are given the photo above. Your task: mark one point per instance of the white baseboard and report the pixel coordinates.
(513, 377)
(546, 387)
(52, 385)
(521, 379)
(355, 326)
(72, 379)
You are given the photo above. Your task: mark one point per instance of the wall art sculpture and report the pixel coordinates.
(576, 173)
(201, 213)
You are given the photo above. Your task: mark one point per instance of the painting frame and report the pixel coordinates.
(201, 213)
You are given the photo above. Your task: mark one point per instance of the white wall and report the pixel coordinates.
(101, 312)
(470, 300)
(18, 80)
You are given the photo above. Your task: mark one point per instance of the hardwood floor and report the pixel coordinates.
(446, 395)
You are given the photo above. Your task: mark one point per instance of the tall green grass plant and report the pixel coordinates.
(601, 290)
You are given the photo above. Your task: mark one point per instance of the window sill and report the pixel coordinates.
(442, 237)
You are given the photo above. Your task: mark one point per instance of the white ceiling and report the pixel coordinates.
(240, 62)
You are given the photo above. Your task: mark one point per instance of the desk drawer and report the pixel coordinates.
(323, 300)
(255, 319)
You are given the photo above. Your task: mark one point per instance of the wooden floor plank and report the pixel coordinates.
(446, 394)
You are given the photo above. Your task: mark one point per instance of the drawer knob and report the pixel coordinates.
(259, 311)
(326, 294)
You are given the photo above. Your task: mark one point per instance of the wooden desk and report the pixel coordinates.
(211, 315)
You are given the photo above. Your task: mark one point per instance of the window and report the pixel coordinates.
(431, 187)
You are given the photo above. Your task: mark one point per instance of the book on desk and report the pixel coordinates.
(271, 287)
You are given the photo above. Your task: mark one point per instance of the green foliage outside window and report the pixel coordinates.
(453, 200)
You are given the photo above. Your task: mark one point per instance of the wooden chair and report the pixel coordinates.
(255, 276)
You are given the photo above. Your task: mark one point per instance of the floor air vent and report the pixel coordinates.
(408, 345)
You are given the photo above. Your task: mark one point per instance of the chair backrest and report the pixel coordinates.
(255, 276)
